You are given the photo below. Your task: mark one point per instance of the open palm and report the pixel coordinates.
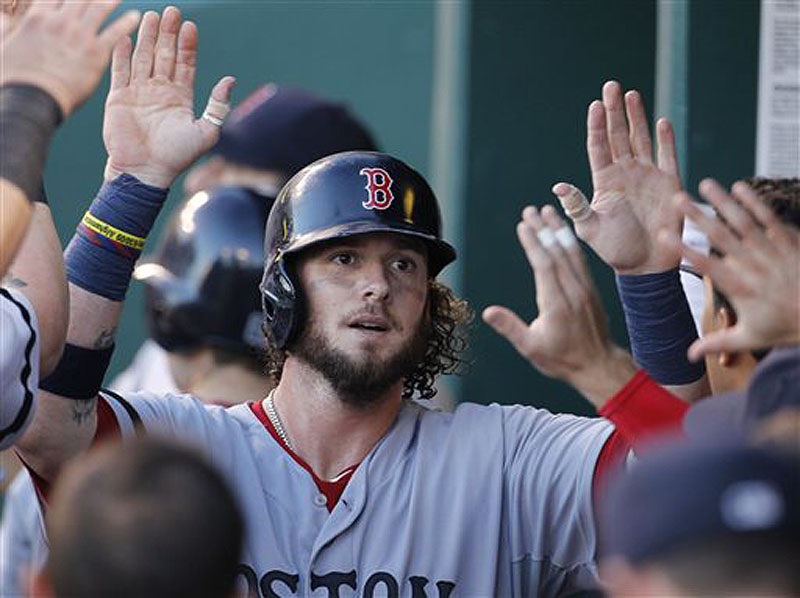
(632, 195)
(150, 129)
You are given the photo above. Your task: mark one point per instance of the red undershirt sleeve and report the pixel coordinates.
(640, 411)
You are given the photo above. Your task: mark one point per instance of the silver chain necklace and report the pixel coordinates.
(275, 420)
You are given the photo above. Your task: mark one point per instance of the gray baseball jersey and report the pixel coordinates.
(19, 365)
(486, 501)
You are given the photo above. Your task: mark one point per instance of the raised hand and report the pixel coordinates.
(150, 129)
(632, 194)
(59, 48)
(569, 338)
(759, 271)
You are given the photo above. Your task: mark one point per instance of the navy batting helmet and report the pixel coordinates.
(345, 194)
(202, 282)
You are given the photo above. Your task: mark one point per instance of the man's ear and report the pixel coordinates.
(726, 319)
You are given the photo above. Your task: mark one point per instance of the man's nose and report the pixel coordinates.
(376, 283)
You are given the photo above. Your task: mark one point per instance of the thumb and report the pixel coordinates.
(217, 109)
(510, 326)
(576, 207)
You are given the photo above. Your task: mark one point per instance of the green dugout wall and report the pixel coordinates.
(486, 98)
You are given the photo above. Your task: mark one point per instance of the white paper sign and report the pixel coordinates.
(778, 129)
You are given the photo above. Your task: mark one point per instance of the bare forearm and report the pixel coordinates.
(64, 427)
(15, 214)
(605, 377)
(61, 430)
(38, 273)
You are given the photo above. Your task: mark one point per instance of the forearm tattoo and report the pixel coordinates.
(14, 282)
(82, 410)
(105, 339)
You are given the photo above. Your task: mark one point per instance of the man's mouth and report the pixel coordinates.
(369, 323)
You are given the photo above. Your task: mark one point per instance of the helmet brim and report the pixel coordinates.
(440, 253)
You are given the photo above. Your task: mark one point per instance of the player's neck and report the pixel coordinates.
(231, 384)
(327, 432)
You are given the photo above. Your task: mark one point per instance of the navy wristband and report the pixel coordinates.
(660, 326)
(102, 253)
(79, 373)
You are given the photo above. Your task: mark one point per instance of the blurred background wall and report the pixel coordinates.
(487, 99)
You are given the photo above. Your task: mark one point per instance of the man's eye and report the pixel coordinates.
(405, 265)
(342, 258)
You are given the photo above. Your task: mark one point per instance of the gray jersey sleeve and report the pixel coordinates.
(549, 469)
(19, 365)
(181, 418)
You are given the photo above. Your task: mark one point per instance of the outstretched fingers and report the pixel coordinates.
(121, 64)
(511, 327)
(536, 239)
(640, 140)
(667, 154)
(597, 145)
(97, 12)
(567, 243)
(217, 109)
(142, 61)
(618, 136)
(736, 217)
(120, 28)
(164, 61)
(757, 208)
(186, 60)
(574, 203)
(718, 234)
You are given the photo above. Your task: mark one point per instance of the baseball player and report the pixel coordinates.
(347, 486)
(270, 135)
(35, 97)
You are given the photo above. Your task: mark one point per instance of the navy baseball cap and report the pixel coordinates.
(284, 128)
(775, 384)
(685, 495)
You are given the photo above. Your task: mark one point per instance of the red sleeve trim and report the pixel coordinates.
(643, 409)
(609, 461)
(107, 424)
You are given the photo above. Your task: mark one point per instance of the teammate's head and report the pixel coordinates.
(731, 371)
(142, 519)
(273, 133)
(201, 284)
(704, 521)
(374, 213)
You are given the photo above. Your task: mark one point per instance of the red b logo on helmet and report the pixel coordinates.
(379, 187)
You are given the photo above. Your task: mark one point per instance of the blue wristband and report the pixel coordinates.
(660, 326)
(100, 258)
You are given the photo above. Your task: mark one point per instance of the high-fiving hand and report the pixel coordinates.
(758, 271)
(59, 47)
(569, 338)
(632, 194)
(150, 129)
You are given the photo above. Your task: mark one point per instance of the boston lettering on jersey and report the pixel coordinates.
(275, 583)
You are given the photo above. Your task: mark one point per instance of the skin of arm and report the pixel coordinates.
(632, 200)
(569, 338)
(38, 273)
(150, 132)
(15, 214)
